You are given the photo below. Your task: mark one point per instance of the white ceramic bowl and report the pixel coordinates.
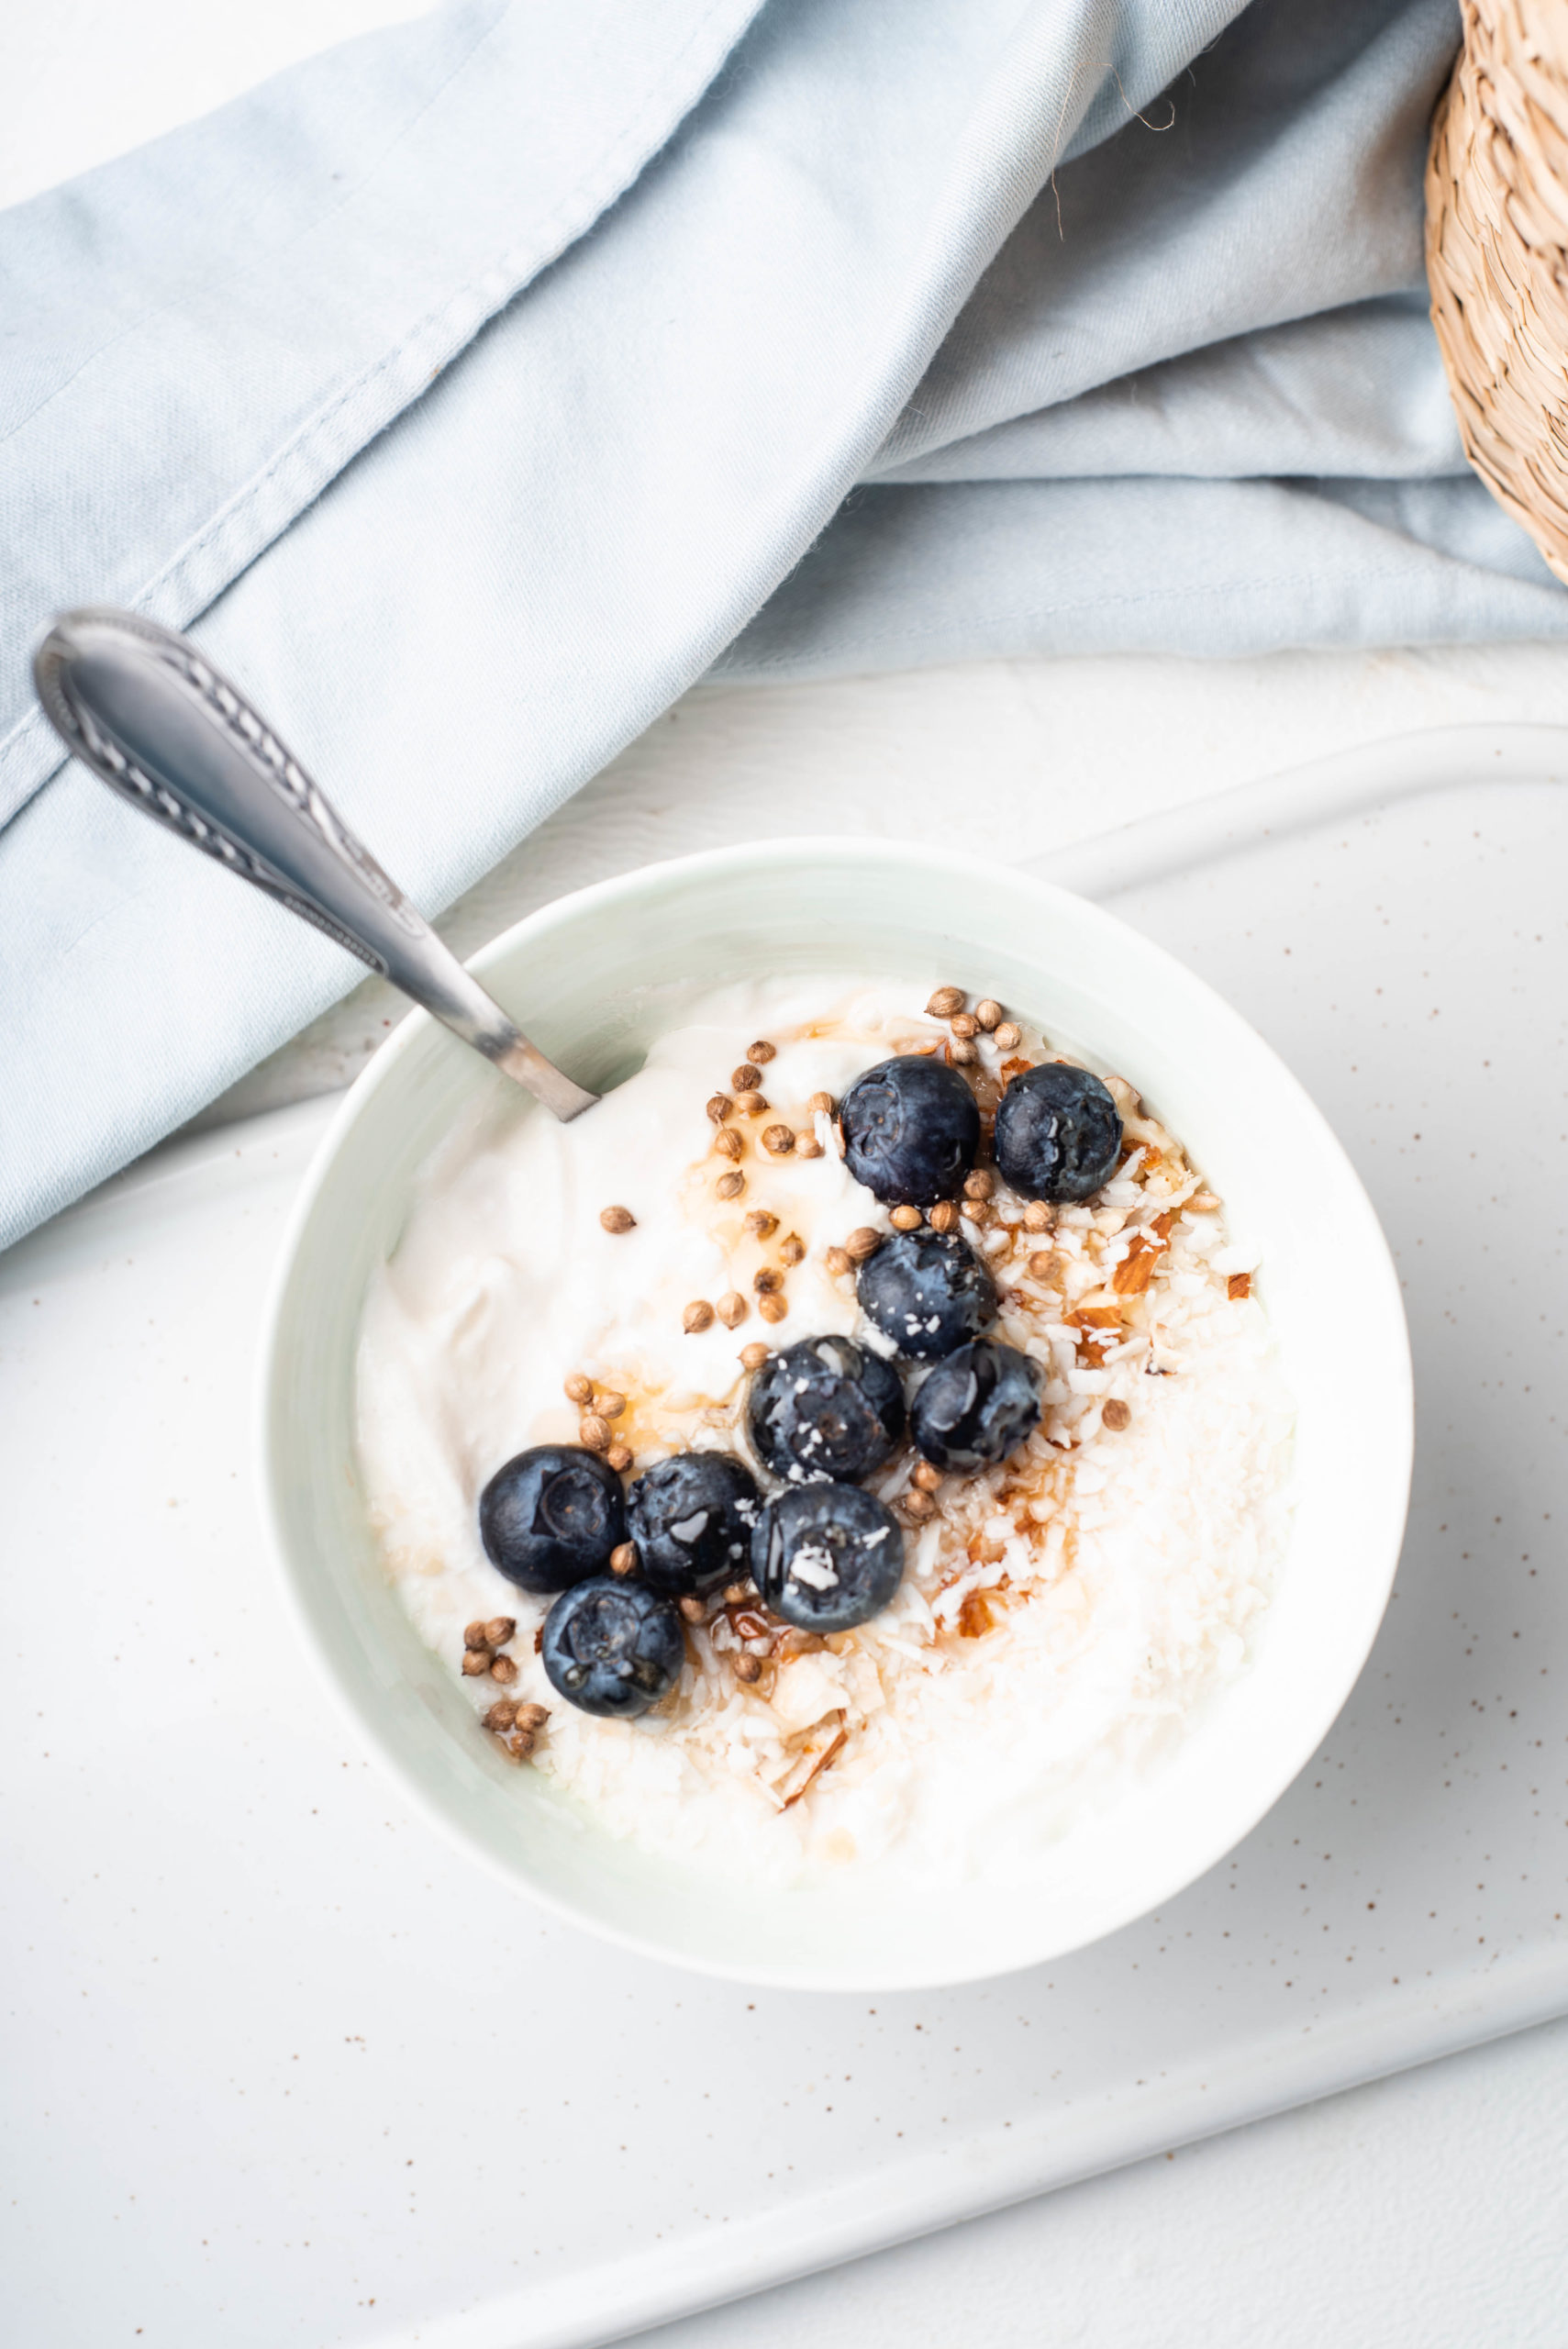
(584, 977)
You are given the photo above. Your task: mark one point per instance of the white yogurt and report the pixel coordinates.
(1147, 1557)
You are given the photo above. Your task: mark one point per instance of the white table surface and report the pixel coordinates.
(1429, 2208)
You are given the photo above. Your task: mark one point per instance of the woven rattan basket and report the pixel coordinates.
(1497, 257)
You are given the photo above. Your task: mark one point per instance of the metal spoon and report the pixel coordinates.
(152, 718)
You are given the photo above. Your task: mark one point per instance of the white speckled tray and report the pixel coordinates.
(285, 2069)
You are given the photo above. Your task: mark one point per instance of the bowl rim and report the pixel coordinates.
(1383, 1545)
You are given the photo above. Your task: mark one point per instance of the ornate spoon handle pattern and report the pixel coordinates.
(153, 718)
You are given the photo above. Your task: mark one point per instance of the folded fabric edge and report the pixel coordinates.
(1037, 569)
(265, 505)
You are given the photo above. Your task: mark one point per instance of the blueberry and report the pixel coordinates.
(928, 1291)
(977, 1405)
(691, 1518)
(825, 1408)
(827, 1557)
(551, 1516)
(911, 1131)
(613, 1647)
(1058, 1133)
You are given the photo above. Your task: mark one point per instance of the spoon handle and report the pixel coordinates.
(153, 718)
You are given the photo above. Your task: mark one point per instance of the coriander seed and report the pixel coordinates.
(531, 1718)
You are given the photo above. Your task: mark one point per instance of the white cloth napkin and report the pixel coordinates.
(475, 388)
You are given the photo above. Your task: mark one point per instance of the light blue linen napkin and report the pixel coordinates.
(479, 387)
